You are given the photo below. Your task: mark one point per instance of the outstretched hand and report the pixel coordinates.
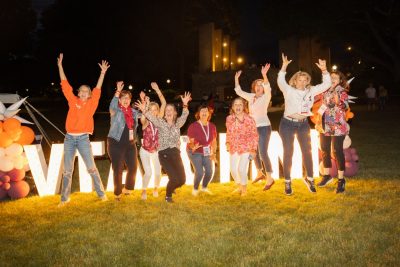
(120, 86)
(285, 60)
(264, 69)
(321, 64)
(104, 66)
(186, 98)
(60, 59)
(141, 105)
(155, 87)
(237, 75)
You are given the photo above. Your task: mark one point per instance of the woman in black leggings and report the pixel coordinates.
(121, 144)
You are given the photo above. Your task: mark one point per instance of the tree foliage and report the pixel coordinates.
(371, 27)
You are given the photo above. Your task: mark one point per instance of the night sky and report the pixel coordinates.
(141, 49)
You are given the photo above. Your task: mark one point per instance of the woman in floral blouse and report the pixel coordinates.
(241, 142)
(169, 134)
(333, 128)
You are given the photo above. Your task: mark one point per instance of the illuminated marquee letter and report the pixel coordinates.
(48, 179)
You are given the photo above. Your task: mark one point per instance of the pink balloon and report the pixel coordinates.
(353, 150)
(3, 193)
(347, 154)
(19, 189)
(16, 174)
(5, 179)
(355, 157)
(6, 186)
(351, 169)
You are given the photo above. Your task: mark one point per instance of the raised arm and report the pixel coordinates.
(146, 100)
(104, 67)
(141, 105)
(266, 85)
(326, 79)
(65, 86)
(155, 87)
(185, 112)
(282, 84)
(60, 67)
(239, 90)
(114, 101)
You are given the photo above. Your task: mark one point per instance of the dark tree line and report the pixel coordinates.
(371, 28)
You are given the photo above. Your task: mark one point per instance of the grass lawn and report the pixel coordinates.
(358, 228)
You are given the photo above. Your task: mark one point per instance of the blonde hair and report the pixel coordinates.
(292, 81)
(154, 104)
(85, 86)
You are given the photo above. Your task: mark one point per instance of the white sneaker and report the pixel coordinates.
(63, 203)
(104, 198)
(205, 190)
(144, 195)
(195, 192)
(155, 193)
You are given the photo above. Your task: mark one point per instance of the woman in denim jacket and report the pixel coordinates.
(121, 143)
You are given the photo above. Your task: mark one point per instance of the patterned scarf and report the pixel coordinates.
(128, 114)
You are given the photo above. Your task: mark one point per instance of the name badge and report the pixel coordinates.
(131, 135)
(305, 108)
(322, 109)
(206, 150)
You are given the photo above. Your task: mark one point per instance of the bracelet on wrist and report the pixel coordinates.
(185, 106)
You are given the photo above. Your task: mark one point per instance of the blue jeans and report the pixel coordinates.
(202, 167)
(264, 134)
(82, 144)
(287, 130)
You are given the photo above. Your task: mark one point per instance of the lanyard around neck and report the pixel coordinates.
(207, 134)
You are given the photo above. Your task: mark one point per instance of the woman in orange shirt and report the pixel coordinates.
(79, 126)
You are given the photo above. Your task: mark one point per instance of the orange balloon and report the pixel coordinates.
(27, 136)
(11, 125)
(14, 135)
(1, 126)
(5, 140)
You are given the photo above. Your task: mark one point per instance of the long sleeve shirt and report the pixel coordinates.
(258, 106)
(300, 102)
(241, 136)
(80, 113)
(168, 135)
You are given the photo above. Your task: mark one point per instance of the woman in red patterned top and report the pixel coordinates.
(241, 142)
(149, 150)
(333, 128)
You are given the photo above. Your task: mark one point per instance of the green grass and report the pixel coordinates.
(358, 228)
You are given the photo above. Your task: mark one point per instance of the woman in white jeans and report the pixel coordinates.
(241, 142)
(149, 150)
